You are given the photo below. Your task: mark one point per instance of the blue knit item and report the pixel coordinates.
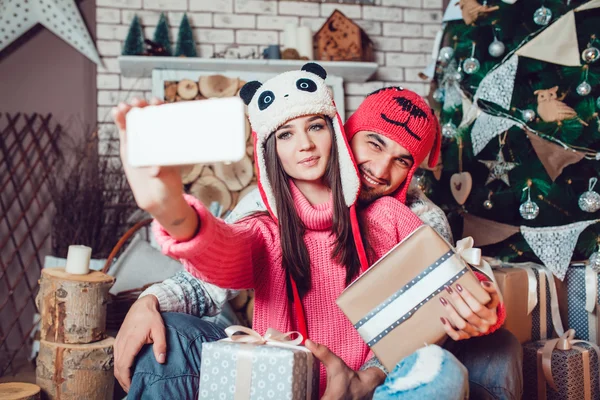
(428, 373)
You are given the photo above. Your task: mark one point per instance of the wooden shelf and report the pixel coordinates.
(142, 66)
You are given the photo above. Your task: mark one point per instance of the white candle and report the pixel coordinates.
(78, 260)
(305, 42)
(290, 36)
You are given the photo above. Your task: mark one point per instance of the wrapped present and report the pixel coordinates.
(582, 298)
(249, 366)
(531, 299)
(399, 295)
(563, 368)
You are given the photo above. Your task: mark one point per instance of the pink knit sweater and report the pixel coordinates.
(248, 255)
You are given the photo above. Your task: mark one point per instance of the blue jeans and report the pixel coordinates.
(493, 362)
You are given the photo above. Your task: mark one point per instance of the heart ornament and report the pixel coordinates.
(460, 186)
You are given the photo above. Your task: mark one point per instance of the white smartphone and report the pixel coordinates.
(184, 133)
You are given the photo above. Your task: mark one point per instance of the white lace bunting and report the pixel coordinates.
(554, 245)
(486, 127)
(498, 85)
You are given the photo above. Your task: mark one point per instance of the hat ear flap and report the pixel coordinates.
(315, 69)
(434, 154)
(249, 90)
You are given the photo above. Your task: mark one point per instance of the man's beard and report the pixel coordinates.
(368, 194)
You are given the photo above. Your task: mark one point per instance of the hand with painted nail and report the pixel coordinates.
(142, 325)
(156, 190)
(467, 317)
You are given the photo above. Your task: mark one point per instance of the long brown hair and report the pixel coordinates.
(296, 261)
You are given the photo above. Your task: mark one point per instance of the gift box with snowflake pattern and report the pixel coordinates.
(232, 371)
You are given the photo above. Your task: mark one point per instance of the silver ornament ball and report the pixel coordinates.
(528, 115)
(496, 48)
(471, 65)
(589, 201)
(583, 89)
(590, 55)
(542, 16)
(488, 204)
(438, 95)
(594, 262)
(529, 210)
(449, 129)
(446, 54)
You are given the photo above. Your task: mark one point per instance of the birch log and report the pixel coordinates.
(73, 307)
(76, 371)
(19, 391)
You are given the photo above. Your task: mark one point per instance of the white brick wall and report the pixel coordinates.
(402, 32)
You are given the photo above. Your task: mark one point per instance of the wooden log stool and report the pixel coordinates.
(19, 391)
(76, 371)
(73, 307)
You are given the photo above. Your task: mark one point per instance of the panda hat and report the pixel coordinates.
(287, 96)
(291, 95)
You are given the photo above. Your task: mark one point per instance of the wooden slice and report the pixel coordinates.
(246, 190)
(192, 172)
(187, 89)
(237, 175)
(208, 189)
(199, 97)
(19, 391)
(170, 91)
(208, 171)
(73, 307)
(218, 86)
(76, 371)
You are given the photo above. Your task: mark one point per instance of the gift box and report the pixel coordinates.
(582, 285)
(395, 304)
(529, 314)
(561, 369)
(253, 367)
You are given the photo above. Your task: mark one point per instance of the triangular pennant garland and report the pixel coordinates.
(554, 245)
(497, 86)
(555, 158)
(557, 44)
(487, 127)
(589, 5)
(485, 231)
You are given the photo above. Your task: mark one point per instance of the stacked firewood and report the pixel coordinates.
(225, 184)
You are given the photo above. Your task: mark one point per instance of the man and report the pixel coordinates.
(388, 134)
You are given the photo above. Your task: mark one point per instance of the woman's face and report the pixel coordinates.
(303, 146)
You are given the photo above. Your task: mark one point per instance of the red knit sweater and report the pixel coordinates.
(248, 255)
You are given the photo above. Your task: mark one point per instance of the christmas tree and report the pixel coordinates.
(186, 46)
(161, 35)
(517, 91)
(134, 43)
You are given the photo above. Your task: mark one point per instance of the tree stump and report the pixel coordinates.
(76, 371)
(73, 307)
(19, 391)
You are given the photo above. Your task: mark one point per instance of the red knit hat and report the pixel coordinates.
(403, 116)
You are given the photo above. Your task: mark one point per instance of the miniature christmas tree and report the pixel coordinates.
(161, 35)
(186, 46)
(134, 43)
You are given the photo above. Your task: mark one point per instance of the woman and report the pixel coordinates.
(307, 248)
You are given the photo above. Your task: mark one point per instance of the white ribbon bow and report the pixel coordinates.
(272, 336)
(472, 255)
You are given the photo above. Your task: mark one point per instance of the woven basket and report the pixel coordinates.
(121, 303)
(243, 305)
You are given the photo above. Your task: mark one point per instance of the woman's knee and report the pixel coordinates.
(430, 372)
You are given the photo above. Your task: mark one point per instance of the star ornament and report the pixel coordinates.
(62, 17)
(498, 169)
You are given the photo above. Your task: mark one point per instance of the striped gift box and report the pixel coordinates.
(395, 304)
